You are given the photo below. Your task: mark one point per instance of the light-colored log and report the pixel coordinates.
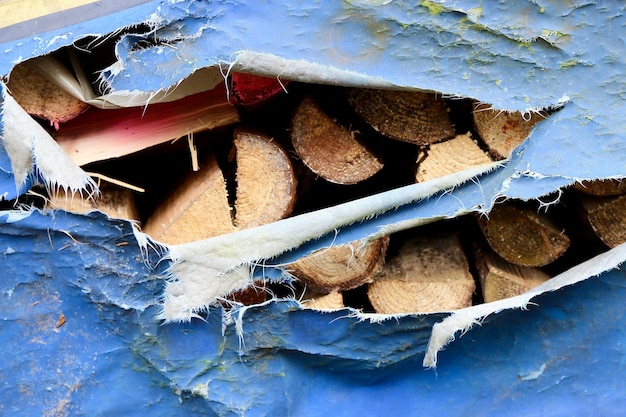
(114, 201)
(266, 183)
(428, 274)
(41, 97)
(197, 209)
(448, 157)
(317, 301)
(503, 131)
(341, 267)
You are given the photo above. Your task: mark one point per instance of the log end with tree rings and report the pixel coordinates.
(411, 116)
(329, 149)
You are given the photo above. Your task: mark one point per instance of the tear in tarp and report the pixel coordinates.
(274, 358)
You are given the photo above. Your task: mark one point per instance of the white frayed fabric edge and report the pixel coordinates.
(204, 271)
(33, 152)
(301, 70)
(463, 320)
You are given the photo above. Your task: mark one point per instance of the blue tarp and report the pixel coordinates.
(81, 298)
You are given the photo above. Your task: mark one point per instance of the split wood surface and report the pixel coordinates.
(41, 97)
(330, 150)
(318, 301)
(200, 208)
(522, 236)
(503, 131)
(448, 157)
(500, 279)
(343, 267)
(607, 217)
(266, 183)
(197, 209)
(114, 201)
(420, 118)
(429, 273)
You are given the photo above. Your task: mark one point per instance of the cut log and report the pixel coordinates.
(601, 188)
(330, 150)
(607, 217)
(266, 183)
(503, 131)
(428, 274)
(500, 279)
(449, 157)
(410, 116)
(101, 134)
(41, 97)
(522, 236)
(197, 209)
(317, 301)
(340, 268)
(114, 201)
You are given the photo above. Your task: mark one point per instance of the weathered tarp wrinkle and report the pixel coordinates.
(82, 298)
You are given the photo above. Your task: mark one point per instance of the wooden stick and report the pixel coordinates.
(500, 279)
(503, 131)
(415, 117)
(341, 268)
(449, 157)
(330, 150)
(41, 97)
(522, 236)
(266, 183)
(428, 274)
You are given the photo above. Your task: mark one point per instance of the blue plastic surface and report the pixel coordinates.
(563, 356)
(111, 356)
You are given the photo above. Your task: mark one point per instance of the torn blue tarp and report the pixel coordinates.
(84, 297)
(111, 356)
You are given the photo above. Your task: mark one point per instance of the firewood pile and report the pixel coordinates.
(254, 150)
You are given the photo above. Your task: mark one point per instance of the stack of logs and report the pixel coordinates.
(286, 153)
